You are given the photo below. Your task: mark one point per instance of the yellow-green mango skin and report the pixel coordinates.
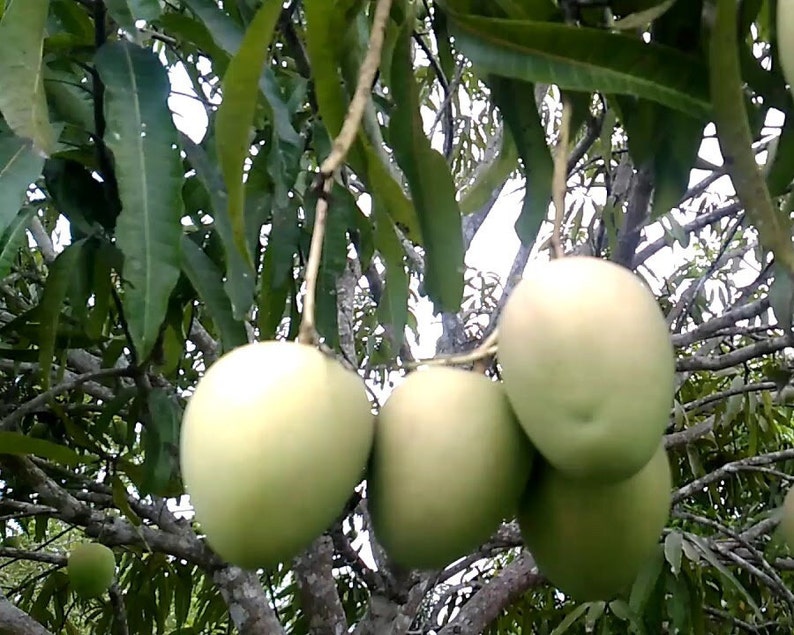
(591, 540)
(786, 526)
(91, 568)
(588, 365)
(785, 40)
(274, 439)
(449, 463)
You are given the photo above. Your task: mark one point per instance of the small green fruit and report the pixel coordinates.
(119, 431)
(91, 568)
(273, 442)
(40, 430)
(591, 540)
(589, 367)
(449, 463)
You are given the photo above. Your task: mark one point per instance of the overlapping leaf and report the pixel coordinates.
(142, 136)
(22, 100)
(432, 188)
(581, 58)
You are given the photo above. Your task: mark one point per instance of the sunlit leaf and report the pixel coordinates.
(22, 100)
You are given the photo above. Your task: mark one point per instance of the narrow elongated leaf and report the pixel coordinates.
(142, 136)
(324, 23)
(22, 100)
(712, 559)
(68, 100)
(22, 445)
(224, 30)
(13, 239)
(432, 188)
(512, 97)
(569, 620)
(160, 467)
(208, 283)
(581, 58)
(669, 140)
(59, 279)
(240, 276)
(120, 499)
(489, 179)
(19, 167)
(393, 306)
(735, 138)
(236, 112)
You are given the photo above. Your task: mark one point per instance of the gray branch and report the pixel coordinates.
(248, 605)
(14, 621)
(486, 605)
(317, 589)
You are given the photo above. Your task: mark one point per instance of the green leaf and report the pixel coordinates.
(79, 197)
(120, 499)
(735, 138)
(233, 126)
(272, 300)
(570, 619)
(333, 258)
(673, 550)
(516, 101)
(582, 58)
(667, 139)
(13, 239)
(22, 100)
(142, 136)
(59, 280)
(393, 306)
(713, 560)
(488, 180)
(127, 12)
(69, 101)
(645, 582)
(20, 444)
(208, 283)
(324, 23)
(432, 188)
(225, 32)
(19, 167)
(160, 466)
(240, 276)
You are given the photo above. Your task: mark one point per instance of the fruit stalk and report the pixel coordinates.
(486, 349)
(560, 177)
(307, 333)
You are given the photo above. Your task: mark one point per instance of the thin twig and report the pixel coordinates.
(341, 146)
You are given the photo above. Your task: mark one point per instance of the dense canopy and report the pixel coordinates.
(179, 178)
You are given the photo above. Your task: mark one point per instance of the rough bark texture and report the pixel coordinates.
(500, 592)
(317, 588)
(16, 622)
(248, 605)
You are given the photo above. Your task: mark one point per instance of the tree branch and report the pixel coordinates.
(317, 588)
(248, 605)
(14, 621)
(486, 605)
(726, 470)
